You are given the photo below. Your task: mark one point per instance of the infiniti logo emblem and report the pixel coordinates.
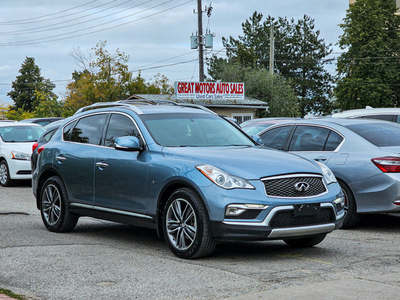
(301, 186)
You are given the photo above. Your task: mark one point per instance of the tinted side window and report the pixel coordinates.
(380, 117)
(276, 138)
(88, 130)
(333, 142)
(67, 131)
(119, 125)
(309, 138)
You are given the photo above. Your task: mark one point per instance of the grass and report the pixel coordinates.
(11, 294)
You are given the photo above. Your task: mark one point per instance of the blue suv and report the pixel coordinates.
(186, 172)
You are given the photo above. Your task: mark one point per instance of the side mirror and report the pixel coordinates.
(128, 143)
(257, 139)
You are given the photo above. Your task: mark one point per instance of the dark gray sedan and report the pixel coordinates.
(363, 155)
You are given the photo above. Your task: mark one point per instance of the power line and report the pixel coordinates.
(34, 30)
(163, 66)
(43, 40)
(24, 21)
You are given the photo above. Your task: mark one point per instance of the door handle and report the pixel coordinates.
(61, 158)
(320, 158)
(101, 164)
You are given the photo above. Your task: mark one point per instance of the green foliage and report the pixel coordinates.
(106, 78)
(26, 84)
(300, 56)
(19, 114)
(369, 71)
(259, 84)
(49, 106)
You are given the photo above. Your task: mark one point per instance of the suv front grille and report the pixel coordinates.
(286, 219)
(294, 186)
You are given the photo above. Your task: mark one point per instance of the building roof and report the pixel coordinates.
(247, 102)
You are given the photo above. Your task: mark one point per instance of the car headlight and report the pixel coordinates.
(328, 174)
(20, 155)
(223, 179)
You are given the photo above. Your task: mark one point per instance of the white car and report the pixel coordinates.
(391, 114)
(16, 149)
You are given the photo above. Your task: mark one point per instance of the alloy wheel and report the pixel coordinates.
(3, 174)
(51, 204)
(181, 224)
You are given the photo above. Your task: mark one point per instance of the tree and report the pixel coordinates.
(4, 108)
(369, 71)
(26, 84)
(259, 84)
(49, 106)
(300, 56)
(105, 77)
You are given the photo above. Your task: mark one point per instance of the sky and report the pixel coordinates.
(154, 33)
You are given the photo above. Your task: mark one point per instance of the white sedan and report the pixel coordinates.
(16, 149)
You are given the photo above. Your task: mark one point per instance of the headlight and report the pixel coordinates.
(20, 155)
(223, 179)
(328, 175)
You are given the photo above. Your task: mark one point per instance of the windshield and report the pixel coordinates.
(21, 134)
(255, 128)
(195, 130)
(381, 135)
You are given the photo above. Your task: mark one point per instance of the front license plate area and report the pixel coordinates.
(306, 209)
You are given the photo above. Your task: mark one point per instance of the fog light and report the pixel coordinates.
(340, 201)
(396, 202)
(238, 209)
(234, 211)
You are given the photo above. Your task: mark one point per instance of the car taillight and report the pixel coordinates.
(40, 149)
(34, 146)
(387, 164)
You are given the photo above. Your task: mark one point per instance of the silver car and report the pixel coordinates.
(363, 154)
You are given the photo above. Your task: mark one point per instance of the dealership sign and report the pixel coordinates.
(209, 90)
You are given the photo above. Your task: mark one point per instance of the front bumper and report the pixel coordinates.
(19, 169)
(269, 229)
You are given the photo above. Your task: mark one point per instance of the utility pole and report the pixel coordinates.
(271, 50)
(200, 40)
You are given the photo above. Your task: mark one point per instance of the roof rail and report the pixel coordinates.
(99, 105)
(146, 101)
(132, 105)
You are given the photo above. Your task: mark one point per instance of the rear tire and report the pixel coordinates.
(306, 242)
(5, 179)
(54, 206)
(351, 218)
(186, 225)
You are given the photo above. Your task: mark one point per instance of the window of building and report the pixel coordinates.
(242, 117)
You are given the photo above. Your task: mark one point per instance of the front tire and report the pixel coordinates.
(186, 225)
(306, 242)
(54, 206)
(5, 179)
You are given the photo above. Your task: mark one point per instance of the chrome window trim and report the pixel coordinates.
(292, 176)
(98, 113)
(325, 127)
(313, 125)
(110, 210)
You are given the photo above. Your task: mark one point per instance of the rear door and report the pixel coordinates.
(75, 157)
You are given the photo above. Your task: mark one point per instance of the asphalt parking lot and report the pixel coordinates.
(103, 260)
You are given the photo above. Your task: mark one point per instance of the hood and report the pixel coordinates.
(21, 147)
(246, 162)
